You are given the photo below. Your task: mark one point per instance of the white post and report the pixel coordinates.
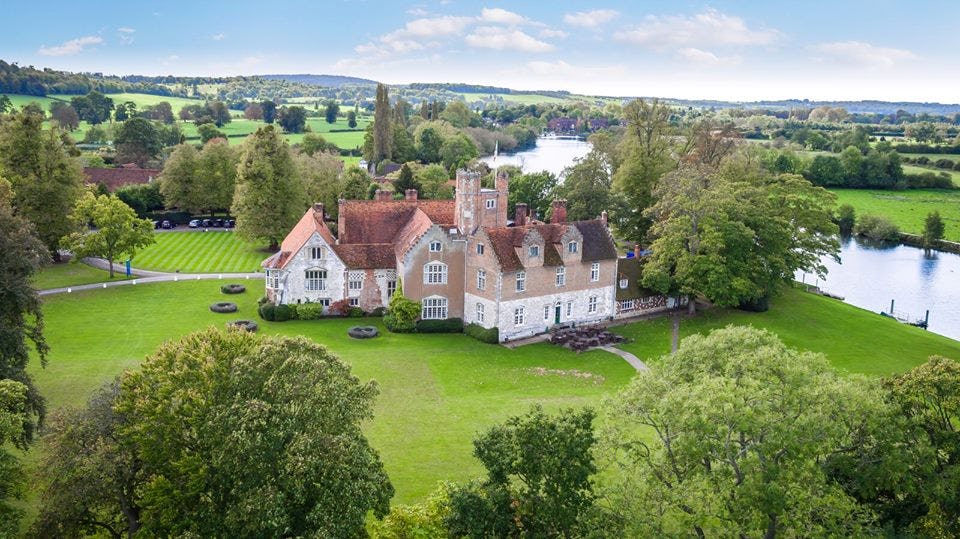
(69, 290)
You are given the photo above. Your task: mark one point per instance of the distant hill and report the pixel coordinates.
(878, 107)
(320, 80)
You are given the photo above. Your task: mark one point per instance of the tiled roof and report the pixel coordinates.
(380, 221)
(115, 178)
(415, 227)
(597, 243)
(632, 270)
(367, 255)
(312, 221)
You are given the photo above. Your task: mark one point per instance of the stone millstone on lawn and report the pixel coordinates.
(224, 307)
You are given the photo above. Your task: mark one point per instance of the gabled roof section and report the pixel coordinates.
(309, 224)
(381, 221)
(631, 269)
(412, 231)
(597, 243)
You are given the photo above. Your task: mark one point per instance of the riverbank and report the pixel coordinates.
(907, 209)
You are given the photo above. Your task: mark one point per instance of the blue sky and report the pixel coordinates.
(879, 49)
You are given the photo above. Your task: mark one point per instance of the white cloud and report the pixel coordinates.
(501, 16)
(551, 33)
(701, 56)
(125, 34)
(169, 60)
(418, 11)
(218, 37)
(68, 48)
(492, 37)
(707, 29)
(590, 19)
(860, 54)
(433, 26)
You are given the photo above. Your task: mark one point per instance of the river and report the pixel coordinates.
(868, 276)
(552, 154)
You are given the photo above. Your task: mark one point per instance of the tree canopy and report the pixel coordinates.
(117, 230)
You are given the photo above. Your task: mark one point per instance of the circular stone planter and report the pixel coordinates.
(362, 332)
(224, 307)
(247, 325)
(233, 289)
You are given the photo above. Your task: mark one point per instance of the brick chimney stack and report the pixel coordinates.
(383, 195)
(410, 194)
(636, 250)
(520, 214)
(502, 182)
(603, 217)
(318, 210)
(558, 212)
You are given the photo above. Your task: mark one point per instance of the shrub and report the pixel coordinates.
(263, 300)
(282, 313)
(482, 334)
(356, 312)
(449, 325)
(379, 311)
(339, 308)
(267, 311)
(944, 163)
(846, 218)
(929, 180)
(877, 227)
(402, 314)
(309, 311)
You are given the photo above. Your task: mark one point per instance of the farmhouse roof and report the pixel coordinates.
(381, 221)
(115, 178)
(310, 223)
(367, 255)
(631, 269)
(597, 243)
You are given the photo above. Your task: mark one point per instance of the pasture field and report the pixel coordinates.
(908, 209)
(20, 101)
(71, 274)
(144, 100)
(934, 156)
(520, 99)
(196, 251)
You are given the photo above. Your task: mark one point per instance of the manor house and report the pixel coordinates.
(459, 258)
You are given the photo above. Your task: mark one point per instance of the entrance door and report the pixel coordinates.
(556, 314)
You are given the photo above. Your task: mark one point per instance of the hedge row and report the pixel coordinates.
(449, 325)
(482, 334)
(304, 311)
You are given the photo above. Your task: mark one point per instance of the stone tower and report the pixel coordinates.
(476, 207)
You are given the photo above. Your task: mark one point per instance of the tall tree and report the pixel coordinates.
(434, 180)
(351, 119)
(21, 321)
(538, 482)
(304, 469)
(269, 110)
(382, 130)
(46, 181)
(217, 171)
(179, 182)
(735, 235)
(725, 439)
(644, 154)
(331, 110)
(118, 231)
(292, 119)
(534, 190)
(320, 174)
(586, 187)
(65, 116)
(91, 478)
(137, 141)
(269, 198)
(354, 184)
(405, 180)
(253, 111)
(93, 108)
(13, 416)
(933, 228)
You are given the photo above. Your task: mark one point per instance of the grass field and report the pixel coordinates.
(45, 102)
(520, 99)
(907, 208)
(71, 274)
(200, 252)
(438, 391)
(853, 339)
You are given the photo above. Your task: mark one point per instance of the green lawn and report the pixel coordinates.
(71, 274)
(200, 252)
(438, 391)
(144, 100)
(20, 101)
(853, 339)
(907, 208)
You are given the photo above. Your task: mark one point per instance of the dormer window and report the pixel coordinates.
(316, 253)
(435, 246)
(491, 203)
(572, 247)
(534, 250)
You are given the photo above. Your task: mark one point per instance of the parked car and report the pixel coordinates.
(166, 224)
(205, 223)
(229, 223)
(194, 223)
(216, 222)
(156, 224)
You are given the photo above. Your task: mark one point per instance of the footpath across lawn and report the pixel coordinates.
(197, 251)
